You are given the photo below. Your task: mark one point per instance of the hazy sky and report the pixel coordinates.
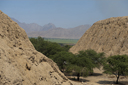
(63, 13)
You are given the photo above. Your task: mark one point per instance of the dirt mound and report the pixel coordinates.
(109, 36)
(20, 63)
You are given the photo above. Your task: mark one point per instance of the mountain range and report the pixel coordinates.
(51, 31)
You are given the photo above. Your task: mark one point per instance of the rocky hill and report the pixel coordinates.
(109, 36)
(20, 63)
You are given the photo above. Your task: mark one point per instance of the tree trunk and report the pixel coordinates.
(117, 78)
(78, 76)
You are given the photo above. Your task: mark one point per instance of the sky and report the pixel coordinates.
(63, 13)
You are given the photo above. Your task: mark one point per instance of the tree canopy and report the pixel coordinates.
(85, 61)
(46, 47)
(80, 64)
(117, 65)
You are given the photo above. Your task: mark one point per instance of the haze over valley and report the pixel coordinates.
(51, 31)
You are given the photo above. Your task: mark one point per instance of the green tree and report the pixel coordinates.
(96, 58)
(67, 47)
(62, 59)
(39, 44)
(52, 49)
(81, 64)
(84, 62)
(45, 47)
(117, 65)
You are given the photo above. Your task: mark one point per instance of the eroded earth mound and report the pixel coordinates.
(109, 36)
(20, 63)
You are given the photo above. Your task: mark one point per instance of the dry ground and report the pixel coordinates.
(100, 79)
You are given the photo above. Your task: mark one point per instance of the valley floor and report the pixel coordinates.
(99, 79)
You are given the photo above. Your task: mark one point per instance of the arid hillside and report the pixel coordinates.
(109, 36)
(20, 63)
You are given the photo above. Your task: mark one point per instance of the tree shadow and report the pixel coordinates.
(113, 82)
(81, 79)
(106, 82)
(96, 74)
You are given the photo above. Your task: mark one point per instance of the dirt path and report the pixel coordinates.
(101, 79)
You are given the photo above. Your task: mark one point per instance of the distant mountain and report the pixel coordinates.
(48, 26)
(33, 27)
(72, 33)
(51, 31)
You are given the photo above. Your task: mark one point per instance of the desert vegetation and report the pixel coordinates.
(117, 65)
(82, 63)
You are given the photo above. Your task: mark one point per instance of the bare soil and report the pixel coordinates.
(98, 78)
